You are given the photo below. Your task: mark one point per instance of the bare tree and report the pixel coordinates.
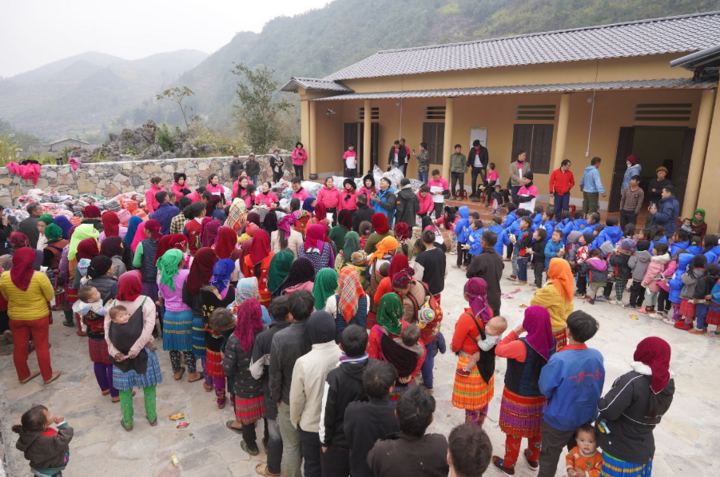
(177, 95)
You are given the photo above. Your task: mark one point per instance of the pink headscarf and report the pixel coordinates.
(139, 236)
(476, 290)
(287, 224)
(539, 330)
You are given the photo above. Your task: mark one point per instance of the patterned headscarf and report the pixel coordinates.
(168, 266)
(80, 233)
(287, 224)
(655, 353)
(226, 243)
(279, 269)
(209, 232)
(352, 244)
(246, 288)
(539, 330)
(402, 231)
(236, 216)
(403, 278)
(476, 291)
(249, 323)
(350, 292)
(53, 233)
(390, 311)
(383, 247)
(222, 272)
(326, 282)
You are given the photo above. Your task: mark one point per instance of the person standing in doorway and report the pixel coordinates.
(633, 169)
(631, 202)
(591, 186)
(667, 211)
(518, 169)
(423, 163)
(457, 171)
(397, 158)
(561, 182)
(477, 161)
(407, 154)
(350, 161)
(655, 189)
(299, 158)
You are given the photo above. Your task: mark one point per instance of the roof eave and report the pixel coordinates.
(700, 59)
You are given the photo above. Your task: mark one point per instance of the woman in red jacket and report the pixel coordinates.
(348, 196)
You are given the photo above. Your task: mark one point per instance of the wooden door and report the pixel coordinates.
(683, 166)
(540, 157)
(522, 140)
(624, 149)
(434, 137)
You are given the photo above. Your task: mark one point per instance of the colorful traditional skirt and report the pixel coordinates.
(249, 411)
(687, 308)
(371, 320)
(71, 296)
(399, 389)
(214, 364)
(612, 467)
(99, 351)
(178, 331)
(131, 379)
(471, 392)
(713, 314)
(521, 416)
(560, 338)
(198, 337)
(150, 290)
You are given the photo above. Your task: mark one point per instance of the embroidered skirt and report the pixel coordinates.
(471, 392)
(177, 331)
(198, 337)
(214, 364)
(713, 314)
(612, 467)
(131, 379)
(521, 416)
(99, 351)
(560, 339)
(71, 297)
(687, 308)
(249, 411)
(399, 389)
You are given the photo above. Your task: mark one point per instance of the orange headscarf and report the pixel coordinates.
(383, 247)
(561, 276)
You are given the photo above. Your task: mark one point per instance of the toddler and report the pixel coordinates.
(47, 449)
(521, 245)
(595, 271)
(654, 273)
(119, 315)
(584, 460)
(494, 329)
(687, 225)
(496, 199)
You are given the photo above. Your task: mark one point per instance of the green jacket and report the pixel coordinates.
(457, 162)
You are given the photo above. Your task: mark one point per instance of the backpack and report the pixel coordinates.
(429, 315)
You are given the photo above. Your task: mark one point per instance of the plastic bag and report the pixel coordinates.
(312, 188)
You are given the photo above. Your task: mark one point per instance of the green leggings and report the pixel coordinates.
(126, 405)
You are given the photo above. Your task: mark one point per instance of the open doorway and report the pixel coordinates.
(656, 146)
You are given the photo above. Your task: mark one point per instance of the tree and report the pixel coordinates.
(177, 95)
(258, 113)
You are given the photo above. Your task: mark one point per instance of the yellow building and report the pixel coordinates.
(605, 91)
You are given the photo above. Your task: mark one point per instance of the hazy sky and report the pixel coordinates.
(36, 32)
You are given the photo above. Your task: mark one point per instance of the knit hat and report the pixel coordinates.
(632, 158)
(655, 353)
(627, 244)
(528, 175)
(662, 168)
(403, 278)
(359, 258)
(99, 266)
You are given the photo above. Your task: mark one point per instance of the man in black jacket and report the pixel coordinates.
(287, 346)
(398, 157)
(236, 167)
(343, 386)
(488, 266)
(252, 167)
(363, 212)
(477, 160)
(407, 204)
(29, 226)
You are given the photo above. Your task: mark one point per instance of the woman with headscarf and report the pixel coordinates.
(385, 343)
(92, 215)
(248, 288)
(28, 293)
(326, 282)
(304, 215)
(521, 409)
(557, 298)
(144, 259)
(64, 224)
(248, 391)
(398, 263)
(406, 243)
(698, 225)
(201, 271)
(210, 230)
(178, 318)
(213, 203)
(139, 237)
(121, 257)
(257, 263)
(632, 408)
(473, 392)
(381, 231)
(219, 294)
(43, 221)
(286, 237)
(351, 244)
(19, 240)
(337, 233)
(279, 270)
(317, 248)
(301, 277)
(226, 243)
(52, 253)
(111, 226)
(133, 225)
(87, 249)
(236, 215)
(131, 347)
(349, 306)
(320, 217)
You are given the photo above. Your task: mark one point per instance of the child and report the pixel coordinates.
(654, 271)
(364, 230)
(462, 230)
(494, 329)
(548, 222)
(521, 244)
(638, 263)
(492, 181)
(554, 247)
(571, 249)
(590, 223)
(644, 234)
(583, 254)
(537, 216)
(687, 225)
(495, 226)
(538, 255)
(664, 302)
(448, 221)
(376, 276)
(47, 449)
(438, 188)
(695, 245)
(359, 261)
(619, 272)
(695, 273)
(611, 232)
(595, 271)
(92, 312)
(680, 241)
(496, 199)
(584, 460)
(702, 299)
(473, 245)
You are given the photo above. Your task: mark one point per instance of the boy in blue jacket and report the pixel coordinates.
(495, 226)
(510, 219)
(554, 248)
(473, 246)
(572, 382)
(590, 223)
(548, 222)
(611, 232)
(680, 242)
(462, 230)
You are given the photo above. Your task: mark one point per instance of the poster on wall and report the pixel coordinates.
(477, 132)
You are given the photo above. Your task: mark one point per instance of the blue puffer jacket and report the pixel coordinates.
(474, 241)
(549, 227)
(678, 246)
(694, 249)
(715, 292)
(551, 251)
(499, 231)
(462, 228)
(511, 217)
(676, 282)
(536, 220)
(614, 234)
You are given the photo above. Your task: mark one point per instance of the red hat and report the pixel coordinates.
(633, 158)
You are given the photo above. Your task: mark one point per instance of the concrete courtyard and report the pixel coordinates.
(684, 440)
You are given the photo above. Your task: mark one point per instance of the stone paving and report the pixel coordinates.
(684, 440)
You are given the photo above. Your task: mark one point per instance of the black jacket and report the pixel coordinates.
(624, 409)
(407, 207)
(260, 363)
(404, 455)
(402, 156)
(343, 385)
(656, 196)
(488, 266)
(235, 169)
(619, 263)
(46, 451)
(704, 286)
(364, 424)
(29, 228)
(104, 285)
(237, 363)
(482, 153)
(287, 346)
(364, 213)
(538, 248)
(253, 169)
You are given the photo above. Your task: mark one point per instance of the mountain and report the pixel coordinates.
(81, 95)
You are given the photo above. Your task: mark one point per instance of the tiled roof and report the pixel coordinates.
(315, 84)
(709, 58)
(682, 83)
(678, 34)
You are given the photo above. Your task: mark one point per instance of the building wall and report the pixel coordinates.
(58, 147)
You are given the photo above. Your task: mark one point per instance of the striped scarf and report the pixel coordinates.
(351, 360)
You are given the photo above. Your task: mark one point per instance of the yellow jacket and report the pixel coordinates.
(31, 304)
(550, 298)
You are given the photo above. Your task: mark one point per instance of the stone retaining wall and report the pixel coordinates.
(112, 178)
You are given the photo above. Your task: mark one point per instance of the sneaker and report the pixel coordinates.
(591, 301)
(463, 372)
(642, 310)
(601, 299)
(681, 325)
(695, 331)
(613, 301)
(498, 462)
(628, 306)
(669, 321)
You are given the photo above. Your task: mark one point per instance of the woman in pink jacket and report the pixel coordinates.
(426, 201)
(215, 188)
(368, 187)
(179, 186)
(155, 187)
(348, 196)
(329, 196)
(299, 157)
(266, 196)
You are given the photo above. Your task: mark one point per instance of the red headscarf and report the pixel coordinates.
(345, 219)
(315, 236)
(380, 223)
(87, 248)
(19, 240)
(153, 226)
(402, 231)
(129, 286)
(111, 224)
(653, 352)
(22, 267)
(320, 212)
(163, 246)
(201, 270)
(249, 322)
(226, 243)
(91, 212)
(399, 262)
(260, 247)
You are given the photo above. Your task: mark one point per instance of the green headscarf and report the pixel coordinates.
(47, 218)
(337, 235)
(81, 233)
(279, 269)
(53, 233)
(352, 245)
(390, 312)
(167, 265)
(326, 282)
(694, 221)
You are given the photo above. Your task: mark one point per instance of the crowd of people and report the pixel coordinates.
(322, 319)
